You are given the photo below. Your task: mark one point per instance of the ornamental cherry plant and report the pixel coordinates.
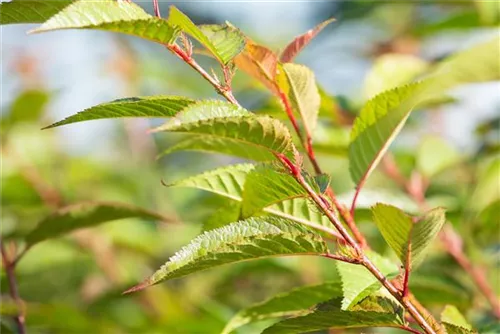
(282, 200)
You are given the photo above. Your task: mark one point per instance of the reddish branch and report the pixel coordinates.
(424, 322)
(452, 242)
(421, 316)
(9, 267)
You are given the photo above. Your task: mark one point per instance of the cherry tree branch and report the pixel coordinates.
(451, 240)
(426, 322)
(307, 144)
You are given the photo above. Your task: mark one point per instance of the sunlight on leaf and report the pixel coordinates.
(117, 16)
(409, 239)
(248, 239)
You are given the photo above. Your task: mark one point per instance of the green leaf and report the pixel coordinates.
(409, 239)
(322, 182)
(87, 214)
(454, 322)
(30, 11)
(375, 128)
(221, 145)
(303, 94)
(227, 40)
(392, 70)
(4, 328)
(151, 106)
(452, 315)
(329, 315)
(262, 132)
(27, 107)
(358, 282)
(435, 155)
(300, 42)
(229, 182)
(204, 110)
(244, 240)
(266, 185)
(291, 303)
(229, 213)
(224, 41)
(226, 181)
(117, 16)
(383, 117)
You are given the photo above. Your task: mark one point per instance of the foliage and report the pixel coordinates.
(275, 211)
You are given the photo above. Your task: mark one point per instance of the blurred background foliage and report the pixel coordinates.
(73, 284)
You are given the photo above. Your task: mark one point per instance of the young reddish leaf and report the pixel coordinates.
(260, 63)
(301, 41)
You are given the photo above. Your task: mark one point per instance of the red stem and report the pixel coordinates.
(11, 279)
(225, 91)
(452, 242)
(156, 7)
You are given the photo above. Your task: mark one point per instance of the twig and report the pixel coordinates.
(156, 8)
(307, 144)
(452, 242)
(226, 92)
(11, 279)
(360, 257)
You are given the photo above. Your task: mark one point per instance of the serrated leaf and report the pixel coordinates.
(30, 11)
(435, 155)
(226, 181)
(248, 239)
(266, 185)
(260, 63)
(226, 39)
(82, 215)
(454, 322)
(117, 16)
(204, 110)
(383, 117)
(300, 42)
(329, 315)
(221, 145)
(261, 131)
(358, 282)
(229, 182)
(151, 106)
(291, 303)
(303, 94)
(408, 239)
(223, 41)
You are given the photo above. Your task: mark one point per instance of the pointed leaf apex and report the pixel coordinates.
(138, 287)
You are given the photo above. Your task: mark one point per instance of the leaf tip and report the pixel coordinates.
(138, 287)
